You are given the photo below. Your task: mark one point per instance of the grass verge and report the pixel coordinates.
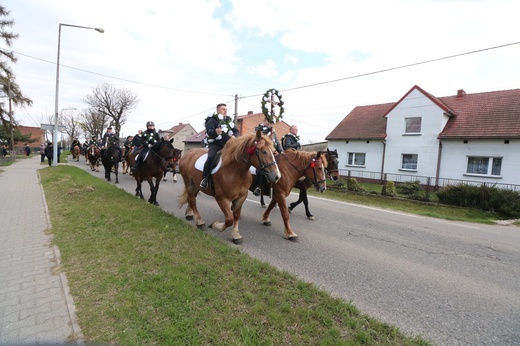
(141, 276)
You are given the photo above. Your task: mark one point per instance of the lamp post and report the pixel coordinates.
(55, 134)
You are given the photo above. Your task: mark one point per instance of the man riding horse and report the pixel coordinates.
(110, 138)
(149, 138)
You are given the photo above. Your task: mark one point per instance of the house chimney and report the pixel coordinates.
(249, 112)
(461, 93)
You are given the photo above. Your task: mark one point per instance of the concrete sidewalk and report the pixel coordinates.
(35, 304)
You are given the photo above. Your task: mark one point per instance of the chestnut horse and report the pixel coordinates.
(76, 151)
(160, 157)
(332, 172)
(229, 184)
(295, 164)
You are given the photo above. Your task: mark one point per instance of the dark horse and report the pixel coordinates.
(111, 158)
(161, 156)
(293, 165)
(228, 185)
(331, 170)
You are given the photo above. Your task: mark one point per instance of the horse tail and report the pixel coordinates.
(183, 199)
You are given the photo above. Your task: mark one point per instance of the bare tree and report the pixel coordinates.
(72, 127)
(93, 122)
(112, 102)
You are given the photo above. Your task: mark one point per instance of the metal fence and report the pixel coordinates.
(426, 182)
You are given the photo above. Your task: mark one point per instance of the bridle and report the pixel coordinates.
(314, 164)
(263, 166)
(164, 160)
(330, 171)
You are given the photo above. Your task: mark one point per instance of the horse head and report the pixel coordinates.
(332, 164)
(315, 171)
(255, 150)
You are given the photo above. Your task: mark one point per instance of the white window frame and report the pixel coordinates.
(353, 157)
(414, 169)
(488, 166)
(410, 128)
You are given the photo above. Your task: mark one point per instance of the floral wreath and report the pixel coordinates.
(226, 124)
(270, 115)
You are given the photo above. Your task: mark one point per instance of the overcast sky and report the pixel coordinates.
(181, 58)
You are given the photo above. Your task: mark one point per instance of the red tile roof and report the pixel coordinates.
(493, 114)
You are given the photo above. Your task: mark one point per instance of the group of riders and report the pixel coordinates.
(142, 140)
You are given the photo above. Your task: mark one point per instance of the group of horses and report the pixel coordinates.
(233, 176)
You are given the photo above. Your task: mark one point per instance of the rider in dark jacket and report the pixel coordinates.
(219, 129)
(148, 139)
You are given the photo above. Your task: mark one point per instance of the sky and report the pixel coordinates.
(182, 58)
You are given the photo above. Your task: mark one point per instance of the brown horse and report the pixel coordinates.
(158, 158)
(124, 158)
(76, 151)
(174, 167)
(331, 170)
(293, 165)
(94, 156)
(230, 183)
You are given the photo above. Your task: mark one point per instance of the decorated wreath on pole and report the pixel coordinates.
(272, 106)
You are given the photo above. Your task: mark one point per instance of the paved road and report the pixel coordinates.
(455, 283)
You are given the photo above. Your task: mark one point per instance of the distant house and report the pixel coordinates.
(470, 137)
(179, 133)
(36, 134)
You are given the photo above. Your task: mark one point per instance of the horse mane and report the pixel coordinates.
(306, 156)
(235, 148)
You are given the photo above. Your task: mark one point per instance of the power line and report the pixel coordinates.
(393, 68)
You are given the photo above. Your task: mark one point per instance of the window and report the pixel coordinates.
(356, 159)
(484, 165)
(413, 125)
(409, 161)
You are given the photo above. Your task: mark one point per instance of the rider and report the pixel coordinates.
(291, 140)
(149, 138)
(137, 141)
(74, 143)
(110, 137)
(93, 141)
(268, 131)
(220, 128)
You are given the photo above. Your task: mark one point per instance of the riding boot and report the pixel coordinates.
(204, 183)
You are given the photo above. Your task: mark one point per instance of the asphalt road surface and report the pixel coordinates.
(453, 283)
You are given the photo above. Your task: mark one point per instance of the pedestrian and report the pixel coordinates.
(60, 148)
(220, 128)
(49, 153)
(42, 152)
(27, 150)
(4, 150)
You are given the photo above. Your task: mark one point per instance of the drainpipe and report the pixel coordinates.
(383, 160)
(439, 155)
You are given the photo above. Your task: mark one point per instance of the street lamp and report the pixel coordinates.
(55, 137)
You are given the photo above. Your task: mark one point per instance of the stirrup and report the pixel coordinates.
(257, 192)
(204, 183)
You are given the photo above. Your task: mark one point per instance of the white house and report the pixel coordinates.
(469, 137)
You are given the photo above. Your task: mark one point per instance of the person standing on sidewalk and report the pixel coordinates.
(27, 150)
(42, 152)
(49, 153)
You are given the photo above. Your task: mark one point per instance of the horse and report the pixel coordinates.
(160, 156)
(293, 165)
(174, 167)
(110, 158)
(124, 159)
(76, 151)
(331, 171)
(229, 184)
(93, 157)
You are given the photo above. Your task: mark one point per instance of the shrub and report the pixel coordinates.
(411, 188)
(389, 189)
(354, 185)
(504, 202)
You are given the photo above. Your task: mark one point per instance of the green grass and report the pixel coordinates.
(372, 197)
(139, 276)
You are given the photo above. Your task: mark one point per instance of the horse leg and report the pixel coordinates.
(265, 216)
(154, 189)
(116, 167)
(174, 176)
(282, 204)
(262, 203)
(232, 217)
(300, 199)
(138, 189)
(164, 175)
(303, 194)
(192, 205)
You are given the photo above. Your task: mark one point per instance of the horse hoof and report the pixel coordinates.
(201, 226)
(124, 172)
(294, 238)
(189, 217)
(289, 209)
(164, 180)
(266, 223)
(264, 206)
(237, 241)
(312, 218)
(156, 203)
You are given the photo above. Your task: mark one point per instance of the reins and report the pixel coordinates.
(312, 165)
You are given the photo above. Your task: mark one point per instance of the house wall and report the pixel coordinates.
(179, 137)
(456, 152)
(373, 153)
(425, 144)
